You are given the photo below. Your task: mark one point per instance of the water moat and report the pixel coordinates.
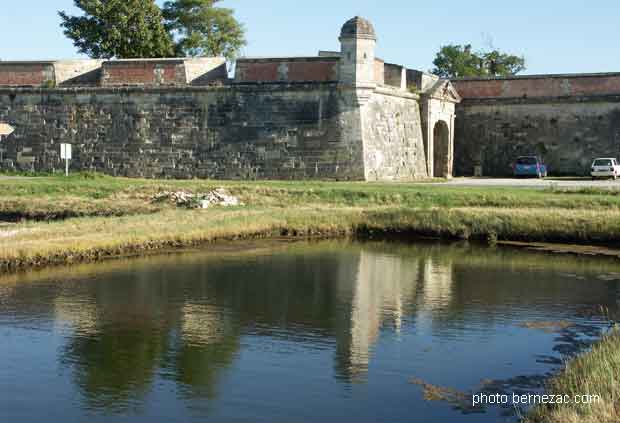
(275, 332)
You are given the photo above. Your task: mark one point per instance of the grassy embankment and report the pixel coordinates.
(85, 218)
(592, 373)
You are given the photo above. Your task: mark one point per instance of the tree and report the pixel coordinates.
(500, 64)
(202, 29)
(459, 61)
(456, 61)
(118, 29)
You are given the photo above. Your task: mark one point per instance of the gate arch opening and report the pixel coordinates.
(441, 150)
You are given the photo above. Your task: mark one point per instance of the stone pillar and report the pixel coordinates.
(451, 159)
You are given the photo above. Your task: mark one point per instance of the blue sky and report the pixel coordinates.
(554, 36)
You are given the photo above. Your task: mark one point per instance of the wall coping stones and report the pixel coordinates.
(289, 59)
(396, 92)
(541, 100)
(245, 86)
(537, 76)
(29, 62)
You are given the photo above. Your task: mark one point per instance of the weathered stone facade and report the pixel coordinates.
(393, 142)
(341, 115)
(568, 120)
(272, 131)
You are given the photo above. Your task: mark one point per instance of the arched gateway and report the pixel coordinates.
(438, 114)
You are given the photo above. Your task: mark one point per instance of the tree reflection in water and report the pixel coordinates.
(186, 319)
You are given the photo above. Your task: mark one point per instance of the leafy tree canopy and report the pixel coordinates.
(118, 29)
(202, 29)
(459, 61)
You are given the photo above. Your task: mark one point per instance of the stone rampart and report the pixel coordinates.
(244, 131)
(568, 120)
(278, 131)
(393, 140)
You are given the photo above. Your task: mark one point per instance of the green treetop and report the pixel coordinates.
(118, 29)
(202, 29)
(459, 61)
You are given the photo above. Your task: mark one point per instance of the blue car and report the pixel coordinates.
(531, 166)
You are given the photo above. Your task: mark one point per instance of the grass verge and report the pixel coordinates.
(52, 198)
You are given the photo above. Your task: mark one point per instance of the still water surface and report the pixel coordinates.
(304, 332)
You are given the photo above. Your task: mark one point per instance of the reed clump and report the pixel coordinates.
(593, 378)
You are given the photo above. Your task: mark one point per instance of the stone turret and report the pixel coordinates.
(358, 41)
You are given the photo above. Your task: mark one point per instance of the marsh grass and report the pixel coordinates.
(88, 217)
(592, 373)
(91, 238)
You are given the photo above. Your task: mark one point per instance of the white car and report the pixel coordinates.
(605, 168)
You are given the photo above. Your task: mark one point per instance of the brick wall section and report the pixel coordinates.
(540, 86)
(133, 72)
(379, 71)
(119, 73)
(256, 72)
(313, 71)
(394, 76)
(320, 69)
(26, 74)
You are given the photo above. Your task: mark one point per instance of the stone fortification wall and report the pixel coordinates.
(567, 133)
(245, 131)
(393, 140)
(269, 131)
(566, 119)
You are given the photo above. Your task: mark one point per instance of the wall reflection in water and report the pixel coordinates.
(129, 327)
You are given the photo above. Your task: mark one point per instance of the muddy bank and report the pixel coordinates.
(574, 249)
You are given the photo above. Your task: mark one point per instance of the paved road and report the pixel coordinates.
(566, 183)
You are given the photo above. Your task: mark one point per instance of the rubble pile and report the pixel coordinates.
(217, 197)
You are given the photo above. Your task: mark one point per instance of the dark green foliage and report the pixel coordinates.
(459, 61)
(202, 29)
(118, 29)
